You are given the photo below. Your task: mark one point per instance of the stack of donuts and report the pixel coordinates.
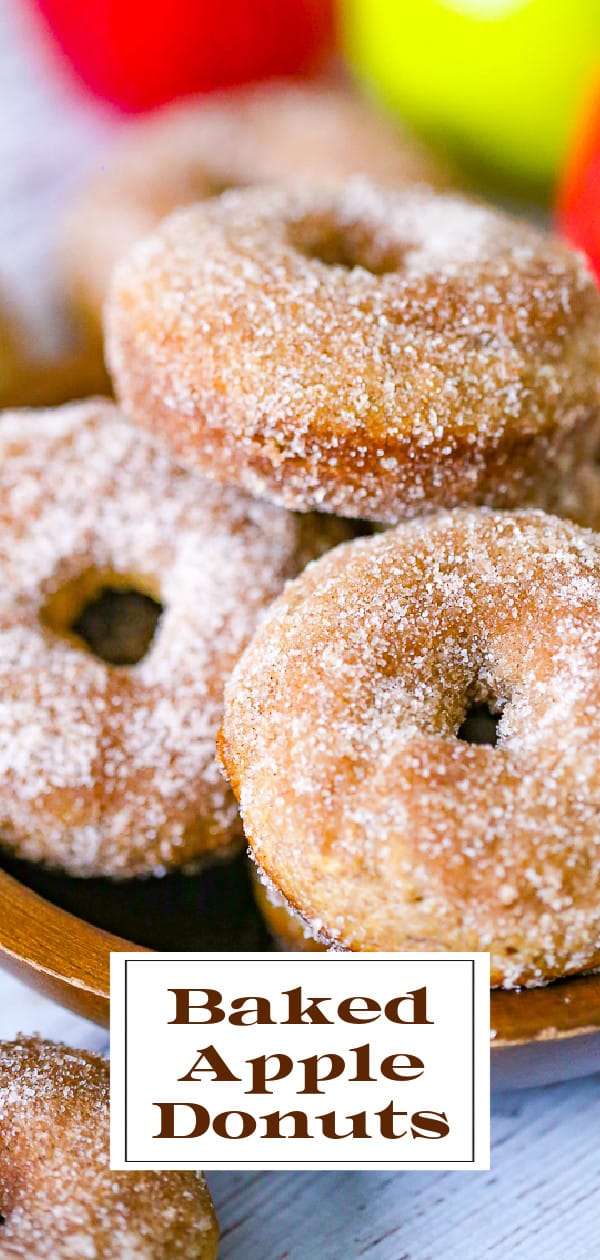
(413, 359)
(350, 485)
(328, 341)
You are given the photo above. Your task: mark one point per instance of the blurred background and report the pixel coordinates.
(510, 88)
(504, 83)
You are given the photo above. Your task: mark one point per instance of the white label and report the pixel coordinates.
(243, 1061)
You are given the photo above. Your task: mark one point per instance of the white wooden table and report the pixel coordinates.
(542, 1197)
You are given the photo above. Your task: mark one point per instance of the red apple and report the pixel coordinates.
(139, 53)
(578, 207)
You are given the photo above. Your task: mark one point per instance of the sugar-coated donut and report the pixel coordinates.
(58, 1198)
(271, 133)
(109, 769)
(366, 352)
(365, 809)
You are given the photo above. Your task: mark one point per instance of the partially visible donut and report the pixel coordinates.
(109, 768)
(58, 1198)
(271, 133)
(364, 803)
(372, 353)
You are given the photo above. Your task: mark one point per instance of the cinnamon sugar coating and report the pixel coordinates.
(378, 824)
(274, 132)
(58, 1197)
(372, 353)
(109, 769)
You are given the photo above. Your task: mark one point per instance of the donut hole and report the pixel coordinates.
(346, 245)
(119, 625)
(114, 616)
(480, 724)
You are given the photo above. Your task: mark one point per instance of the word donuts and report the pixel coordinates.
(344, 737)
(108, 765)
(372, 353)
(58, 1196)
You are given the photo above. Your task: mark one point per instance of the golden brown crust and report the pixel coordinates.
(380, 826)
(371, 353)
(273, 133)
(110, 769)
(58, 1197)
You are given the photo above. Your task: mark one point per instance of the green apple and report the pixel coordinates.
(499, 80)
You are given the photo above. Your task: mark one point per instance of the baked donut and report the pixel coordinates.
(363, 801)
(109, 768)
(186, 152)
(372, 353)
(58, 1197)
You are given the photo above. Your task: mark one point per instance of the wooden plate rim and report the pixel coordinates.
(69, 959)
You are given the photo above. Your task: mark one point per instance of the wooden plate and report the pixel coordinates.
(57, 933)
(63, 956)
(67, 956)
